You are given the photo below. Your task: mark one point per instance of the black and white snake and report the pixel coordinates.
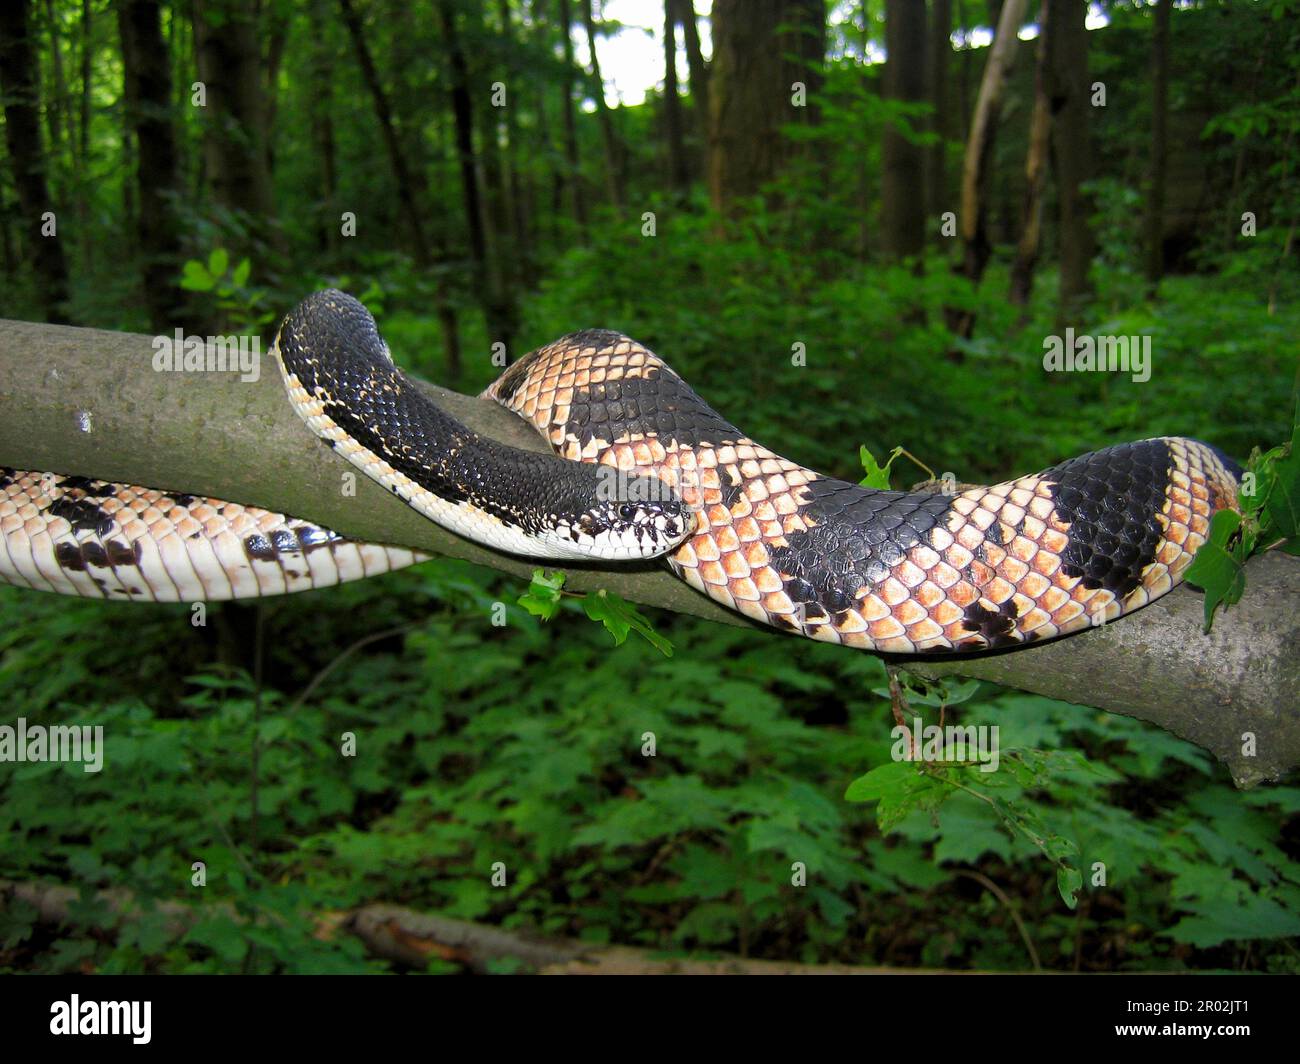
(645, 468)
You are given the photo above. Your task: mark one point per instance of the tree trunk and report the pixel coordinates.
(129, 227)
(184, 50)
(549, 221)
(87, 49)
(973, 220)
(147, 88)
(1155, 264)
(492, 183)
(60, 102)
(82, 154)
(762, 50)
(322, 136)
(685, 10)
(1232, 216)
(520, 222)
(1069, 95)
(496, 315)
(407, 191)
(608, 138)
(902, 178)
(964, 109)
(1031, 215)
(938, 68)
(573, 177)
(19, 85)
(228, 46)
(277, 26)
(406, 188)
(8, 250)
(679, 179)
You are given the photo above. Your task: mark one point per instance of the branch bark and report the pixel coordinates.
(412, 938)
(210, 433)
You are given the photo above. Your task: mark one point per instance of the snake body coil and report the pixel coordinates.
(342, 381)
(645, 467)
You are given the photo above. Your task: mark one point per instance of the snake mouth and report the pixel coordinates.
(654, 535)
(679, 527)
(623, 531)
(658, 527)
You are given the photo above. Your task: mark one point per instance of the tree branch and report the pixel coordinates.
(90, 402)
(413, 939)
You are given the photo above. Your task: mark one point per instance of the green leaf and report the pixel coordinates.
(1282, 507)
(968, 832)
(877, 475)
(222, 936)
(152, 933)
(195, 277)
(542, 599)
(240, 277)
(619, 618)
(909, 865)
(1063, 852)
(900, 788)
(891, 779)
(218, 261)
(1217, 569)
(1069, 881)
(1252, 917)
(939, 693)
(17, 921)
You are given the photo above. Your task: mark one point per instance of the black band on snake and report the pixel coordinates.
(644, 467)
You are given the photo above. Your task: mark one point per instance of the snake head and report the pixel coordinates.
(644, 519)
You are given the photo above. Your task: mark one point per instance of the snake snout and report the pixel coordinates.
(675, 521)
(658, 526)
(645, 519)
(686, 520)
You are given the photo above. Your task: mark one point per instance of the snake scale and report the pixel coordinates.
(643, 467)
